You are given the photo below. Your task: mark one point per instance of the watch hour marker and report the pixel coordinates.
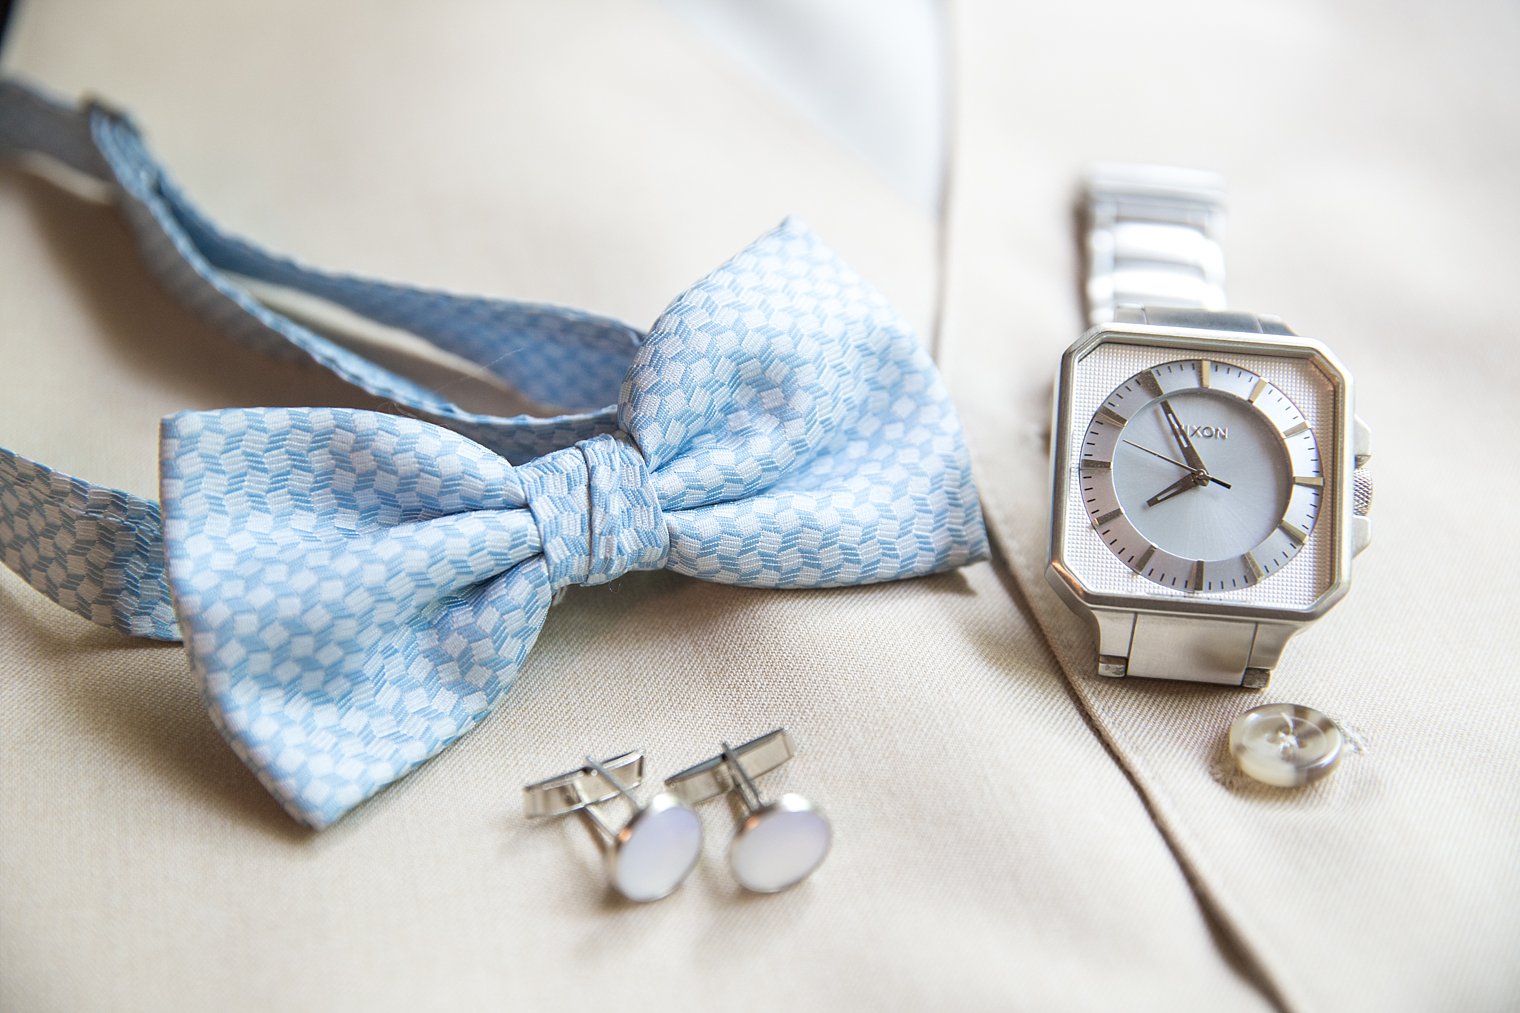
(1147, 379)
(1257, 573)
(1205, 373)
(1302, 427)
(1105, 518)
(1315, 481)
(1293, 531)
(1197, 578)
(1145, 558)
(1093, 462)
(1258, 390)
(1113, 418)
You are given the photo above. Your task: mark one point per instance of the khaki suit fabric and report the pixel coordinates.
(1010, 833)
(1371, 170)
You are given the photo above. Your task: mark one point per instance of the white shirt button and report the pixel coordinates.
(1285, 744)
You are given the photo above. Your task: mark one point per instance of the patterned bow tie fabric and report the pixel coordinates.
(356, 590)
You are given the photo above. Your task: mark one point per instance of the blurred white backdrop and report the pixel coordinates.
(871, 73)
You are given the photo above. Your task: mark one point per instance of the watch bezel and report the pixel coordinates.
(1221, 342)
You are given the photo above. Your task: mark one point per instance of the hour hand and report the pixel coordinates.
(1179, 434)
(1184, 483)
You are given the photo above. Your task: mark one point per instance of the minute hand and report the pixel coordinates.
(1180, 435)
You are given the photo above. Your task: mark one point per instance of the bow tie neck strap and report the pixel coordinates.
(565, 360)
(95, 550)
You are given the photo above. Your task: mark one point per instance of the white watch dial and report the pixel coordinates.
(1200, 475)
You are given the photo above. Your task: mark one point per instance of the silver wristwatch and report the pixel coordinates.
(1209, 482)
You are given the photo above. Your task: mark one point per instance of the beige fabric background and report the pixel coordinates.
(1008, 835)
(1371, 163)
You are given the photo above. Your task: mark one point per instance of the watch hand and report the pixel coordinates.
(1189, 481)
(1180, 435)
(1170, 460)
(1173, 460)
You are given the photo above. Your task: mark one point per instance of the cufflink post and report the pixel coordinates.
(654, 852)
(595, 766)
(748, 793)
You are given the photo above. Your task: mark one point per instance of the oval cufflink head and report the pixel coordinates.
(779, 845)
(657, 849)
(1285, 745)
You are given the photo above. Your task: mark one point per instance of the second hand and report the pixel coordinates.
(1173, 460)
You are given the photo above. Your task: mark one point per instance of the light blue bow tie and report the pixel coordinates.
(356, 590)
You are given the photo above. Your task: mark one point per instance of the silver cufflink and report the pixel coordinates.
(653, 852)
(779, 843)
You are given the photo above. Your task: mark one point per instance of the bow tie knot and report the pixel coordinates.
(597, 514)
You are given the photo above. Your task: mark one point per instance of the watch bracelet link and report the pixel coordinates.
(1153, 239)
(1215, 320)
(1189, 648)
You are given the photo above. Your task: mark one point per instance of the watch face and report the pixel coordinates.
(1201, 475)
(1200, 466)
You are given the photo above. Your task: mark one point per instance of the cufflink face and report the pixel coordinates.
(656, 850)
(778, 844)
(653, 852)
(1285, 745)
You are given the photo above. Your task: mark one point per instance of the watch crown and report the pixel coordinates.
(1361, 492)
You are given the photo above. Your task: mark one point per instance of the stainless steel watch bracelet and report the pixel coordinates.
(1154, 257)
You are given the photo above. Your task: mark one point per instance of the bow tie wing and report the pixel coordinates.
(796, 430)
(355, 590)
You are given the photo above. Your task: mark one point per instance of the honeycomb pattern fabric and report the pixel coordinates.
(96, 551)
(356, 590)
